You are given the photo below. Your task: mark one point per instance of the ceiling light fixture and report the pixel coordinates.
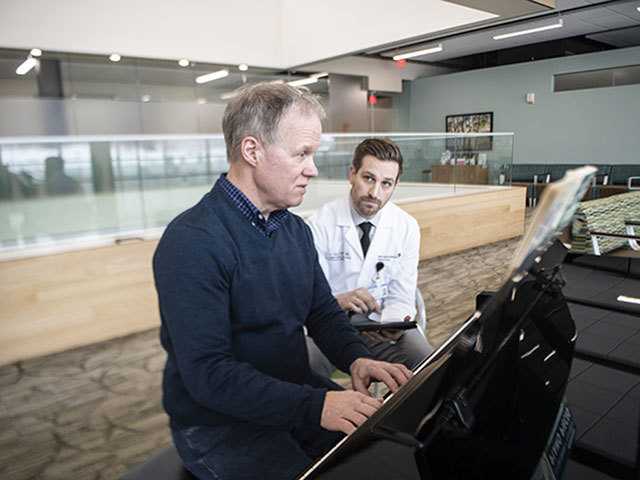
(35, 52)
(114, 57)
(559, 24)
(26, 66)
(309, 80)
(183, 62)
(243, 67)
(209, 77)
(303, 81)
(418, 53)
(229, 95)
(146, 98)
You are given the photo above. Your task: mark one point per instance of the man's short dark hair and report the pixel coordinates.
(380, 148)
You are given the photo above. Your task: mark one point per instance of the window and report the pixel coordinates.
(609, 77)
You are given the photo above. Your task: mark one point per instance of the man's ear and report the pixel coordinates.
(352, 173)
(251, 150)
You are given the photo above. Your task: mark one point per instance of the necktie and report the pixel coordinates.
(365, 240)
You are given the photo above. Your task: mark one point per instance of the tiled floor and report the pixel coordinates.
(606, 406)
(576, 471)
(608, 334)
(600, 287)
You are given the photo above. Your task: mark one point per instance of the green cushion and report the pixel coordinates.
(604, 215)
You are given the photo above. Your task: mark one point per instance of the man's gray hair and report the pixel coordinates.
(257, 110)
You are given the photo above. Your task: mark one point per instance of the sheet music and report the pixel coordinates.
(554, 212)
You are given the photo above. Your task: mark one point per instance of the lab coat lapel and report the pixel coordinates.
(349, 230)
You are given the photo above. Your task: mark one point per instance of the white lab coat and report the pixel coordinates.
(396, 243)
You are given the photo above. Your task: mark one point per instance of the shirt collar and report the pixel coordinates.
(250, 211)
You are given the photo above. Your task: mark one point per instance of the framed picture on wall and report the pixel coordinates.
(481, 122)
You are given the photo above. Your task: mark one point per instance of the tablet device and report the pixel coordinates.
(363, 324)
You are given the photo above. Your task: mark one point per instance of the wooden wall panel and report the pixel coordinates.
(57, 302)
(452, 224)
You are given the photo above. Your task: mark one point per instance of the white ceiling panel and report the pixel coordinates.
(582, 22)
(608, 22)
(341, 27)
(565, 4)
(267, 33)
(627, 37)
(630, 9)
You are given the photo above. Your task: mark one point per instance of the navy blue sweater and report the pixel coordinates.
(233, 303)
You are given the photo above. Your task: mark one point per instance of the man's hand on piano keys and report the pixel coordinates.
(346, 410)
(365, 370)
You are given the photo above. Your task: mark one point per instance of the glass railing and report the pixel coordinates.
(90, 190)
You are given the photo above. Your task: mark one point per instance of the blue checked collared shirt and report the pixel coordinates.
(249, 210)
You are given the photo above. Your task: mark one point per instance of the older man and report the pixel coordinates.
(238, 278)
(369, 249)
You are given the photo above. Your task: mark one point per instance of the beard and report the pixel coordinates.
(369, 206)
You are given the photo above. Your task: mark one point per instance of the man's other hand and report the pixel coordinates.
(365, 370)
(358, 300)
(346, 410)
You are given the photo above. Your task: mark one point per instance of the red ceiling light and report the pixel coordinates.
(372, 99)
(401, 63)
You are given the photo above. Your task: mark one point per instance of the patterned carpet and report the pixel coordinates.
(94, 412)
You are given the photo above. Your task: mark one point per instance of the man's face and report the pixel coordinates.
(372, 185)
(283, 178)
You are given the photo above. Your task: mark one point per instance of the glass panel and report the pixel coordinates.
(100, 79)
(12, 85)
(69, 190)
(166, 84)
(75, 94)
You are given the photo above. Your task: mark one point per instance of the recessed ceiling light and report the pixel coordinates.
(26, 66)
(35, 52)
(419, 53)
(146, 98)
(114, 57)
(243, 67)
(558, 24)
(183, 62)
(212, 76)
